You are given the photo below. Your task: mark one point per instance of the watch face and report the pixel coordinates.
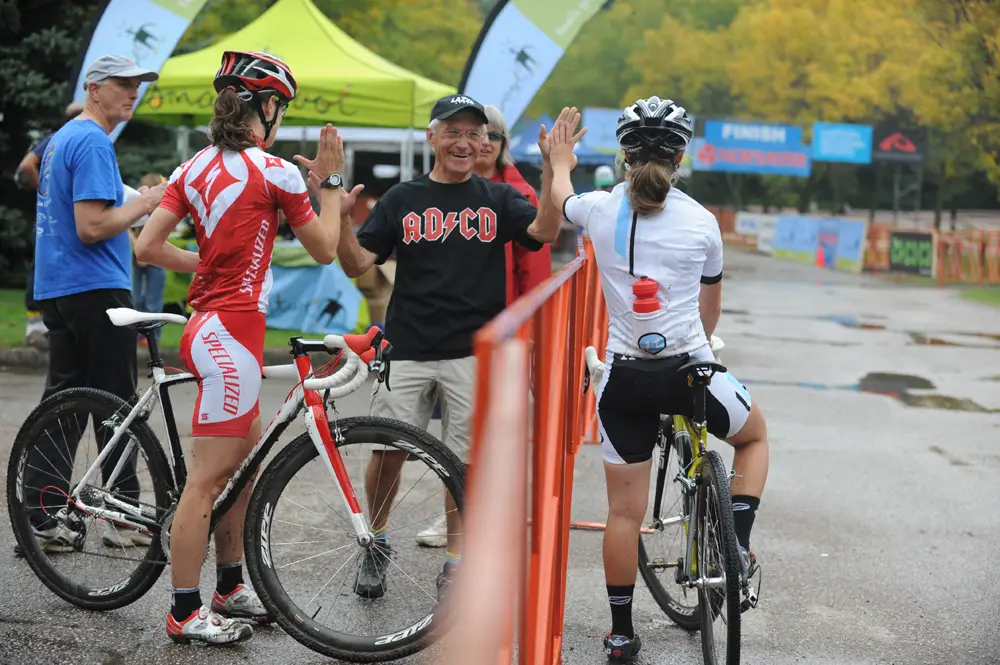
(334, 180)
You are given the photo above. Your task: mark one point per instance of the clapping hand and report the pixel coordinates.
(561, 140)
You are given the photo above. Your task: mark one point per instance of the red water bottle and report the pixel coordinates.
(645, 296)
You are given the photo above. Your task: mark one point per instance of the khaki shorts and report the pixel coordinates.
(418, 384)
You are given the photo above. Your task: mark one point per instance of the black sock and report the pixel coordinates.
(185, 602)
(228, 577)
(620, 599)
(744, 511)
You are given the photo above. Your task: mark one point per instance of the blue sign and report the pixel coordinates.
(318, 299)
(756, 134)
(842, 143)
(738, 157)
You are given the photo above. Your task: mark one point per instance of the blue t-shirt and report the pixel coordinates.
(78, 165)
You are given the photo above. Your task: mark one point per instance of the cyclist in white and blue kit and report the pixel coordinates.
(659, 253)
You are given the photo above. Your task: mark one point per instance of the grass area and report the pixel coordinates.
(12, 322)
(989, 295)
(12, 318)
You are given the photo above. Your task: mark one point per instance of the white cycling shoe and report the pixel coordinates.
(208, 627)
(242, 603)
(436, 535)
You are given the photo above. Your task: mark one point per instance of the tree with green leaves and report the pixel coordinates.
(39, 45)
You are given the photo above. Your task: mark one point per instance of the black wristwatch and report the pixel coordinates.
(334, 181)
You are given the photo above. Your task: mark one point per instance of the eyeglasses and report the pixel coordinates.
(495, 136)
(473, 134)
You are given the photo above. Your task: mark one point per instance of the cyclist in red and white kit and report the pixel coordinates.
(233, 191)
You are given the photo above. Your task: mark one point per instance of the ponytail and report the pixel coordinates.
(230, 128)
(649, 183)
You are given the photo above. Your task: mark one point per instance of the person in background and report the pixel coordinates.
(148, 281)
(525, 269)
(35, 333)
(81, 270)
(604, 178)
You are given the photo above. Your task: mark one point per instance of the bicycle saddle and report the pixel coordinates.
(700, 373)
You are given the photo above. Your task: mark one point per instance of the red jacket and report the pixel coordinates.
(525, 269)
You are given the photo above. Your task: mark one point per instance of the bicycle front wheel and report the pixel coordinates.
(88, 561)
(305, 560)
(718, 565)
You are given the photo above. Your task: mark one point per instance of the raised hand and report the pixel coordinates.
(561, 140)
(329, 154)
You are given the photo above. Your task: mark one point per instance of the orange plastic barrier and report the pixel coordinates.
(960, 257)
(877, 248)
(991, 257)
(555, 321)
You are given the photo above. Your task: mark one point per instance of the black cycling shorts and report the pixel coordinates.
(634, 393)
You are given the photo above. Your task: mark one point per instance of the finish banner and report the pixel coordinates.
(518, 47)
(145, 31)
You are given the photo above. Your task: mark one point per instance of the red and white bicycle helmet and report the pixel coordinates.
(256, 76)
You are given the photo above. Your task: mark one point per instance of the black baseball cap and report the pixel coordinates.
(448, 106)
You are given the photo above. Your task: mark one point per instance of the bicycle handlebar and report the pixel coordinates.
(359, 353)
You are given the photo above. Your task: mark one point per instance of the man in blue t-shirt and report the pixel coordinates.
(82, 269)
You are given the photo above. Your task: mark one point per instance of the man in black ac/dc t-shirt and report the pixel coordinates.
(450, 261)
(448, 229)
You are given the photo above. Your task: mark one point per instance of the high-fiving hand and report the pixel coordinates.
(561, 140)
(329, 154)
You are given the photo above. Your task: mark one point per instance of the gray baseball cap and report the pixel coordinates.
(119, 66)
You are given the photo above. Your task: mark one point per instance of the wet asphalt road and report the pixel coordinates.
(878, 532)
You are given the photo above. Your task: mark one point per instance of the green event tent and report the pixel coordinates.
(339, 80)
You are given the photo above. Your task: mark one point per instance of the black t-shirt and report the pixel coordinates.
(451, 268)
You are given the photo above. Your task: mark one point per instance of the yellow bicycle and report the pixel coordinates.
(707, 563)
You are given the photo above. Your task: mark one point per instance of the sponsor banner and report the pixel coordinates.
(800, 238)
(892, 144)
(318, 299)
(834, 142)
(761, 134)
(796, 238)
(750, 158)
(850, 253)
(518, 47)
(912, 252)
(759, 227)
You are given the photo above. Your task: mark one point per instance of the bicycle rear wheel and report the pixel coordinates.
(46, 466)
(313, 593)
(666, 545)
(718, 563)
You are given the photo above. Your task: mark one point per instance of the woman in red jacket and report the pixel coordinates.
(525, 270)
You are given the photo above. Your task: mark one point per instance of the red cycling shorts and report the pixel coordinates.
(225, 350)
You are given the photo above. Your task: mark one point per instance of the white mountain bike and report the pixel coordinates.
(132, 522)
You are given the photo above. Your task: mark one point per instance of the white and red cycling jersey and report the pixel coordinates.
(234, 199)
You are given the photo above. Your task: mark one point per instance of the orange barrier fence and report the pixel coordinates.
(542, 336)
(971, 257)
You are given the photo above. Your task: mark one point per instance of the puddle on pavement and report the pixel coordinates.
(897, 386)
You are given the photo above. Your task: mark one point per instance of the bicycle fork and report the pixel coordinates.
(318, 426)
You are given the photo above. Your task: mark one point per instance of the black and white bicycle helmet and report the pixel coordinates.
(653, 127)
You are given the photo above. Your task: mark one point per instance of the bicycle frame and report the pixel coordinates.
(316, 423)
